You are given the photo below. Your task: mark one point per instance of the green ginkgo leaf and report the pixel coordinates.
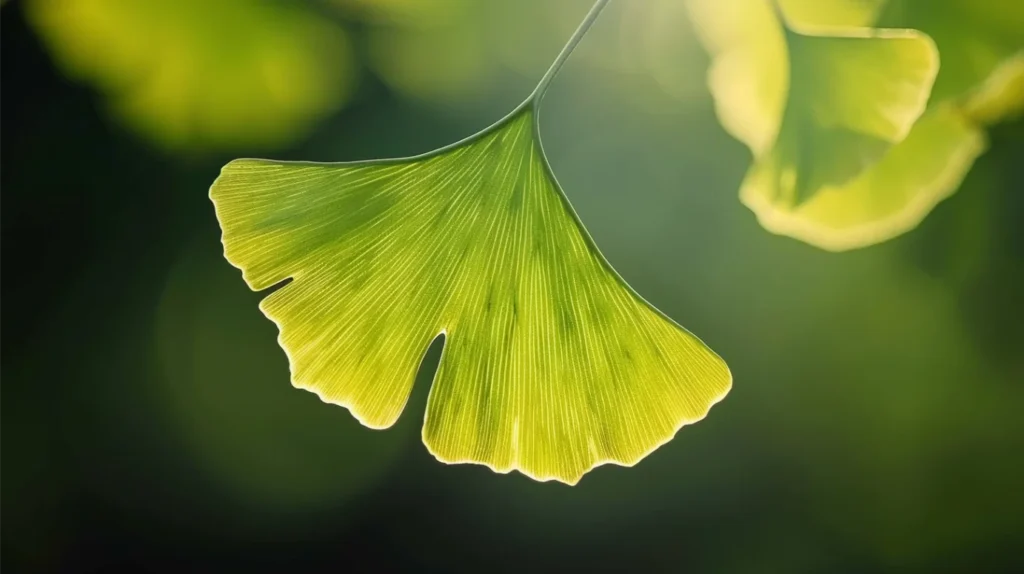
(551, 364)
(900, 178)
(831, 100)
(982, 46)
(888, 199)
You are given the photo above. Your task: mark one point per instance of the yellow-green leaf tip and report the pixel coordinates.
(551, 365)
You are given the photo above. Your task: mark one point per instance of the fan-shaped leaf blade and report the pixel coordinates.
(552, 364)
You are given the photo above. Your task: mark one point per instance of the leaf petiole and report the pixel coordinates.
(581, 31)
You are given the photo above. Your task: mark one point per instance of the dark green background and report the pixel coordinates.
(875, 424)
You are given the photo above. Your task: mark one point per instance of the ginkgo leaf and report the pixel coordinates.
(816, 105)
(982, 46)
(888, 199)
(748, 75)
(199, 74)
(850, 98)
(551, 363)
(895, 180)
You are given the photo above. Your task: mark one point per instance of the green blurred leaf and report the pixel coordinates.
(850, 99)
(194, 74)
(822, 113)
(885, 201)
(982, 47)
(829, 102)
(843, 189)
(552, 364)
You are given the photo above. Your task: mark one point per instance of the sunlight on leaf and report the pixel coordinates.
(850, 98)
(193, 74)
(889, 199)
(551, 364)
(1001, 96)
(982, 47)
(816, 109)
(748, 74)
(821, 108)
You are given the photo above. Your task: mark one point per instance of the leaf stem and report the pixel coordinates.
(581, 31)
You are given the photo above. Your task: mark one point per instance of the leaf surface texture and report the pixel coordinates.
(551, 365)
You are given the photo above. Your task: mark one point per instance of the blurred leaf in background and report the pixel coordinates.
(982, 48)
(817, 105)
(195, 75)
(893, 190)
(852, 94)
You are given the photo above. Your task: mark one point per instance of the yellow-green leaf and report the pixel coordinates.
(982, 46)
(551, 364)
(817, 106)
(888, 199)
(749, 70)
(828, 108)
(850, 98)
(1001, 95)
(200, 74)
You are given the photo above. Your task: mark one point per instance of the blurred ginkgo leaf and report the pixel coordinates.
(193, 74)
(888, 199)
(552, 364)
(982, 47)
(817, 105)
(818, 108)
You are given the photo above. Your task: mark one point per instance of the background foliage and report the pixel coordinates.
(147, 418)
